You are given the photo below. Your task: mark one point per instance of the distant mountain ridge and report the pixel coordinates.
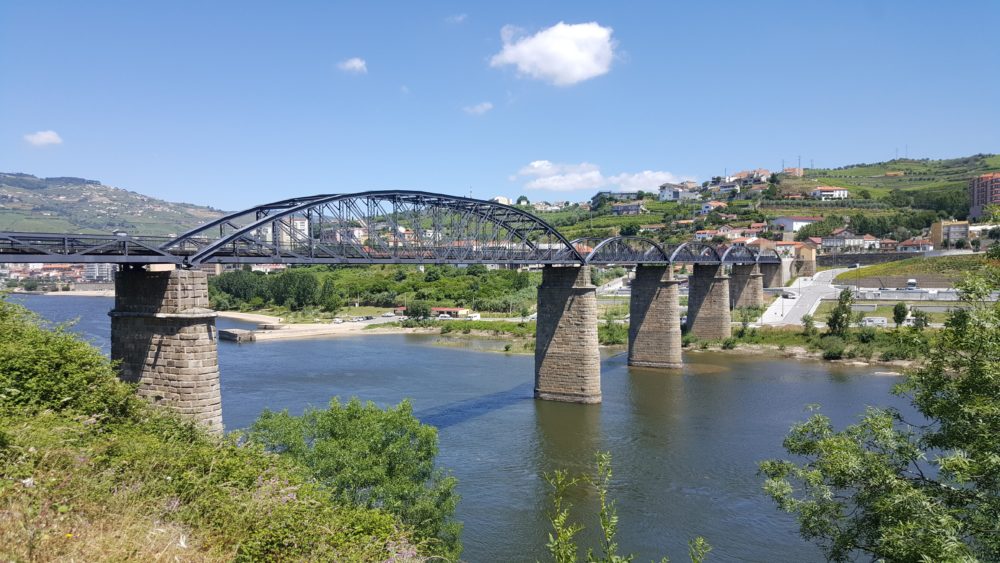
(78, 205)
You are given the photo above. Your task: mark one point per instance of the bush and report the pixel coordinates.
(729, 343)
(866, 335)
(372, 458)
(688, 339)
(120, 475)
(833, 347)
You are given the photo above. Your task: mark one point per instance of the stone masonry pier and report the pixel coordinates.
(746, 286)
(163, 333)
(654, 333)
(709, 317)
(772, 275)
(567, 358)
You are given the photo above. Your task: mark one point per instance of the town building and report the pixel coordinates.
(676, 192)
(630, 208)
(710, 206)
(830, 192)
(99, 272)
(501, 200)
(794, 172)
(794, 223)
(613, 196)
(916, 245)
(949, 232)
(983, 190)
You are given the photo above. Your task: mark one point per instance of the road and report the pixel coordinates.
(808, 293)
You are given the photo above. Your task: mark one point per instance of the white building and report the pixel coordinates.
(794, 223)
(99, 272)
(501, 200)
(829, 192)
(676, 192)
(711, 206)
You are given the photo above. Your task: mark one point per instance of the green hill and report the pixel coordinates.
(940, 185)
(77, 205)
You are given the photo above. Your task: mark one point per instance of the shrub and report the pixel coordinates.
(833, 347)
(729, 343)
(866, 335)
(688, 339)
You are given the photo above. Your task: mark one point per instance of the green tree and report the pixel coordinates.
(921, 320)
(418, 310)
(899, 313)
(865, 194)
(808, 325)
(372, 458)
(30, 285)
(629, 230)
(294, 288)
(839, 320)
(329, 299)
(476, 270)
(924, 490)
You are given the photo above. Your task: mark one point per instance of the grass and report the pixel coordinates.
(89, 471)
(949, 266)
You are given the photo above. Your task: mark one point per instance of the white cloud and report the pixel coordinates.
(354, 65)
(563, 54)
(43, 138)
(557, 177)
(645, 180)
(478, 109)
(457, 18)
(561, 177)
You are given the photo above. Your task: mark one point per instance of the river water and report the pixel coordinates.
(685, 446)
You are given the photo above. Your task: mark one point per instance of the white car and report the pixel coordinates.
(338, 321)
(444, 317)
(388, 314)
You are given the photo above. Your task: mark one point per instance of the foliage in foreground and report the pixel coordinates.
(925, 490)
(89, 471)
(372, 458)
(562, 544)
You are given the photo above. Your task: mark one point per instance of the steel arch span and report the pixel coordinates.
(623, 250)
(392, 227)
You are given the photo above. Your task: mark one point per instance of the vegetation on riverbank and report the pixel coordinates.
(89, 471)
(331, 288)
(901, 489)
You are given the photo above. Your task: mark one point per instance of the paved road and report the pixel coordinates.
(808, 292)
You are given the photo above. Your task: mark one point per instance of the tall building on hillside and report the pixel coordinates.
(950, 232)
(983, 190)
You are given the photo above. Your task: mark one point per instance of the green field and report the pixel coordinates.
(950, 266)
(884, 309)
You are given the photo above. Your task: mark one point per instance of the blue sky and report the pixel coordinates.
(235, 103)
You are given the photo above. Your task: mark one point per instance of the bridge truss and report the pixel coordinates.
(374, 227)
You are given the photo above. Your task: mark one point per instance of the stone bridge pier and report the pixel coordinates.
(567, 358)
(746, 286)
(654, 332)
(709, 317)
(163, 333)
(772, 274)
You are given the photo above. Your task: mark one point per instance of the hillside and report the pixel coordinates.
(923, 184)
(77, 205)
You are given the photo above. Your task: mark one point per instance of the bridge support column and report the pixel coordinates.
(567, 359)
(164, 334)
(746, 286)
(654, 332)
(772, 274)
(708, 316)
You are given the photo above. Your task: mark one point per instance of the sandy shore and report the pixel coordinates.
(307, 330)
(84, 293)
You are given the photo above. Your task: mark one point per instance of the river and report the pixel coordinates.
(685, 446)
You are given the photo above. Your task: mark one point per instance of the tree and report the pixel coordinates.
(329, 299)
(839, 321)
(921, 320)
(976, 244)
(899, 313)
(523, 200)
(865, 194)
(476, 270)
(900, 491)
(629, 230)
(808, 325)
(372, 458)
(30, 285)
(418, 310)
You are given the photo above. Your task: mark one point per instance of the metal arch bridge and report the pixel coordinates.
(373, 227)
